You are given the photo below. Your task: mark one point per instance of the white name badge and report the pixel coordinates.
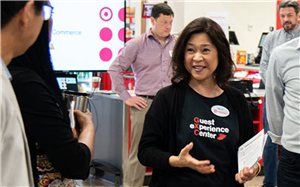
(170, 53)
(220, 111)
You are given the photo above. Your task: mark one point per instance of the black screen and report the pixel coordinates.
(262, 39)
(232, 38)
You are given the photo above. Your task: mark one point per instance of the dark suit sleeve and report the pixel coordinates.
(45, 123)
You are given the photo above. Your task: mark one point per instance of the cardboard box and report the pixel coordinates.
(251, 58)
(241, 57)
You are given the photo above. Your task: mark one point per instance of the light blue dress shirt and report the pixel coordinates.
(283, 95)
(5, 69)
(274, 39)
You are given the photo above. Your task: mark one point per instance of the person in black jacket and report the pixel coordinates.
(56, 155)
(194, 127)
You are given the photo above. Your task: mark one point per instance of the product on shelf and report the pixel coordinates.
(241, 56)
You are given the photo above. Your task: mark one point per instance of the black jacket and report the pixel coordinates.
(158, 139)
(46, 125)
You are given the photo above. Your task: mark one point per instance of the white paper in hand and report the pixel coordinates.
(251, 151)
(71, 115)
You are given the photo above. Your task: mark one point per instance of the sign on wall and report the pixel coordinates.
(87, 35)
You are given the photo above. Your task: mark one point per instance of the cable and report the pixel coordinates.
(92, 94)
(252, 103)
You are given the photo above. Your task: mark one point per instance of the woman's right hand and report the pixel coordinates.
(87, 129)
(83, 119)
(184, 159)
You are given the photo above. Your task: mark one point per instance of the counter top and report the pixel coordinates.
(106, 93)
(113, 95)
(256, 93)
(248, 67)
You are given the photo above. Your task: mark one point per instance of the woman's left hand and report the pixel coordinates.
(246, 174)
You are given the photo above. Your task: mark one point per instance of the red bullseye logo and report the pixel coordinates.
(120, 50)
(106, 14)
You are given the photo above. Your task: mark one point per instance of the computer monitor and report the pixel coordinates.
(87, 35)
(67, 82)
(262, 39)
(147, 8)
(232, 38)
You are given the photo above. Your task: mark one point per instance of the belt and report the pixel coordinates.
(147, 96)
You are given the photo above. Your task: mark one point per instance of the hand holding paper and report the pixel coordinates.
(251, 151)
(247, 174)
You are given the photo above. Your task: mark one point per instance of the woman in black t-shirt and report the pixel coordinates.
(194, 127)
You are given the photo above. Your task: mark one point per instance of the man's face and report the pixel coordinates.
(288, 18)
(162, 25)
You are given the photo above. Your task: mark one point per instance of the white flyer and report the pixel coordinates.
(251, 151)
(71, 115)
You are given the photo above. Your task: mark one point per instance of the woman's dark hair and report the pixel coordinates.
(37, 59)
(10, 8)
(218, 38)
(161, 8)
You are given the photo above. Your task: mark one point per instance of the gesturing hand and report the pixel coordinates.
(184, 159)
(137, 102)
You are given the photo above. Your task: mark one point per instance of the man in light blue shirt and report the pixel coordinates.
(288, 11)
(283, 106)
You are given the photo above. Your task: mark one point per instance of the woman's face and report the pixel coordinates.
(201, 58)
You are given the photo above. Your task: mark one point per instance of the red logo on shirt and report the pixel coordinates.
(196, 120)
(221, 136)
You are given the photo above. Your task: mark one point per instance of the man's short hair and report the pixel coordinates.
(161, 8)
(10, 8)
(289, 3)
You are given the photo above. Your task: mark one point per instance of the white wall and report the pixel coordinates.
(258, 14)
(179, 15)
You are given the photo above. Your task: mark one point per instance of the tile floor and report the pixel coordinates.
(90, 182)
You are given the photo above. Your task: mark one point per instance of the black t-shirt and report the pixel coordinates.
(212, 125)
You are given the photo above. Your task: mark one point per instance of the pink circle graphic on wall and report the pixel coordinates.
(106, 14)
(121, 14)
(120, 50)
(121, 34)
(105, 34)
(105, 54)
